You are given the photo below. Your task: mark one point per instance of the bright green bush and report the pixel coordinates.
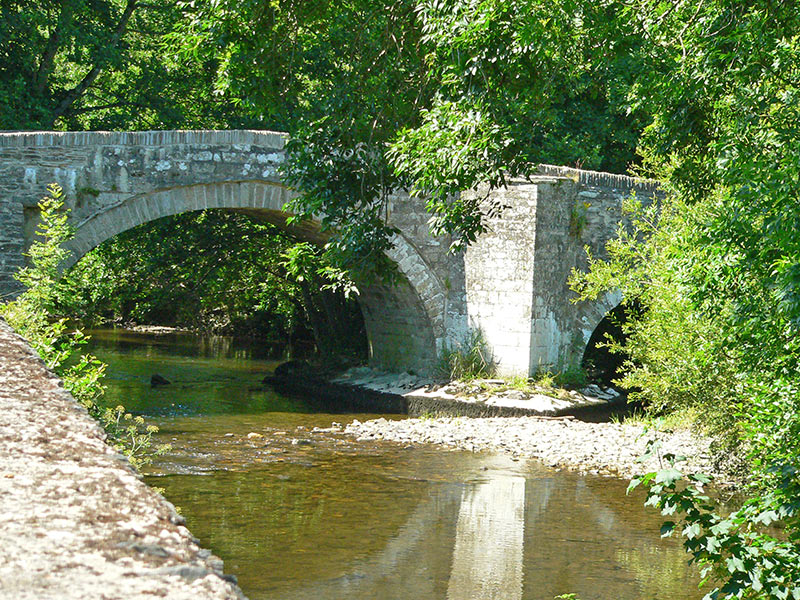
(679, 350)
(30, 315)
(740, 553)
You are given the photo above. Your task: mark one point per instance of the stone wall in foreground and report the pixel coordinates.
(77, 521)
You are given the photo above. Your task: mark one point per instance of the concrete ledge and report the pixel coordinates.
(362, 396)
(267, 139)
(77, 521)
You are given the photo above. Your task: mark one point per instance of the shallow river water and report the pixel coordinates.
(298, 514)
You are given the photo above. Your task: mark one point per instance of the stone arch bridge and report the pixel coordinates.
(510, 284)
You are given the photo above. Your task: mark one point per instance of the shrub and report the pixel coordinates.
(739, 554)
(30, 315)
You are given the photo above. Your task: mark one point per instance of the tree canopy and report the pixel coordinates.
(441, 95)
(101, 64)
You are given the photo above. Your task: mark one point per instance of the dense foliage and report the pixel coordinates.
(366, 89)
(422, 95)
(717, 273)
(342, 78)
(518, 82)
(219, 272)
(104, 64)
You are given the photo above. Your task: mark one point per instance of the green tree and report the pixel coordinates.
(721, 268)
(103, 64)
(341, 78)
(518, 82)
(434, 96)
(717, 273)
(32, 315)
(218, 271)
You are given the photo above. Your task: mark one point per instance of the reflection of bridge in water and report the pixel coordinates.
(512, 537)
(487, 557)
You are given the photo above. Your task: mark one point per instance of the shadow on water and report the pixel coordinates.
(304, 514)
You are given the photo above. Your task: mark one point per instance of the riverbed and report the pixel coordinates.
(299, 510)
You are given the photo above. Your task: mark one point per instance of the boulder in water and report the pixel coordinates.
(157, 380)
(291, 369)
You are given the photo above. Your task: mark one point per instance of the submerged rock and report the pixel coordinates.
(291, 369)
(156, 380)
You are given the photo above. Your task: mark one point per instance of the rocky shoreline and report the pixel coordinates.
(561, 443)
(562, 428)
(78, 522)
(372, 390)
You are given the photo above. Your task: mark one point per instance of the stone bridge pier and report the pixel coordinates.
(510, 284)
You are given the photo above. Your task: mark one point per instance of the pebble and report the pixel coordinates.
(601, 448)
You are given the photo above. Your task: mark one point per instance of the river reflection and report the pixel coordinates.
(487, 556)
(303, 515)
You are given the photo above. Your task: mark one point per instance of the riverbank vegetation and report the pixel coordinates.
(439, 96)
(33, 315)
(218, 272)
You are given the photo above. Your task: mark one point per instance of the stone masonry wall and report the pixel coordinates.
(498, 270)
(516, 274)
(116, 181)
(12, 245)
(556, 253)
(591, 215)
(446, 285)
(510, 284)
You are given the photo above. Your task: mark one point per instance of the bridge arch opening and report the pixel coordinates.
(599, 362)
(218, 271)
(597, 320)
(400, 320)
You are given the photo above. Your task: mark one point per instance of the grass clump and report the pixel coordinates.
(468, 360)
(543, 382)
(682, 418)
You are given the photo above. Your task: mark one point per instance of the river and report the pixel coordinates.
(298, 514)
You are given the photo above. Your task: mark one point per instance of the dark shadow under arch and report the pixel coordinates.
(403, 322)
(600, 363)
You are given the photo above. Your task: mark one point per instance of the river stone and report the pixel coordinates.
(157, 380)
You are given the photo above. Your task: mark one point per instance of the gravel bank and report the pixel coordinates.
(77, 521)
(603, 448)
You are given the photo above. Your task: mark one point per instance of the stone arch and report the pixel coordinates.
(404, 323)
(592, 313)
(596, 319)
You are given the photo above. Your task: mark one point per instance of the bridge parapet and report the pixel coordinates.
(98, 168)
